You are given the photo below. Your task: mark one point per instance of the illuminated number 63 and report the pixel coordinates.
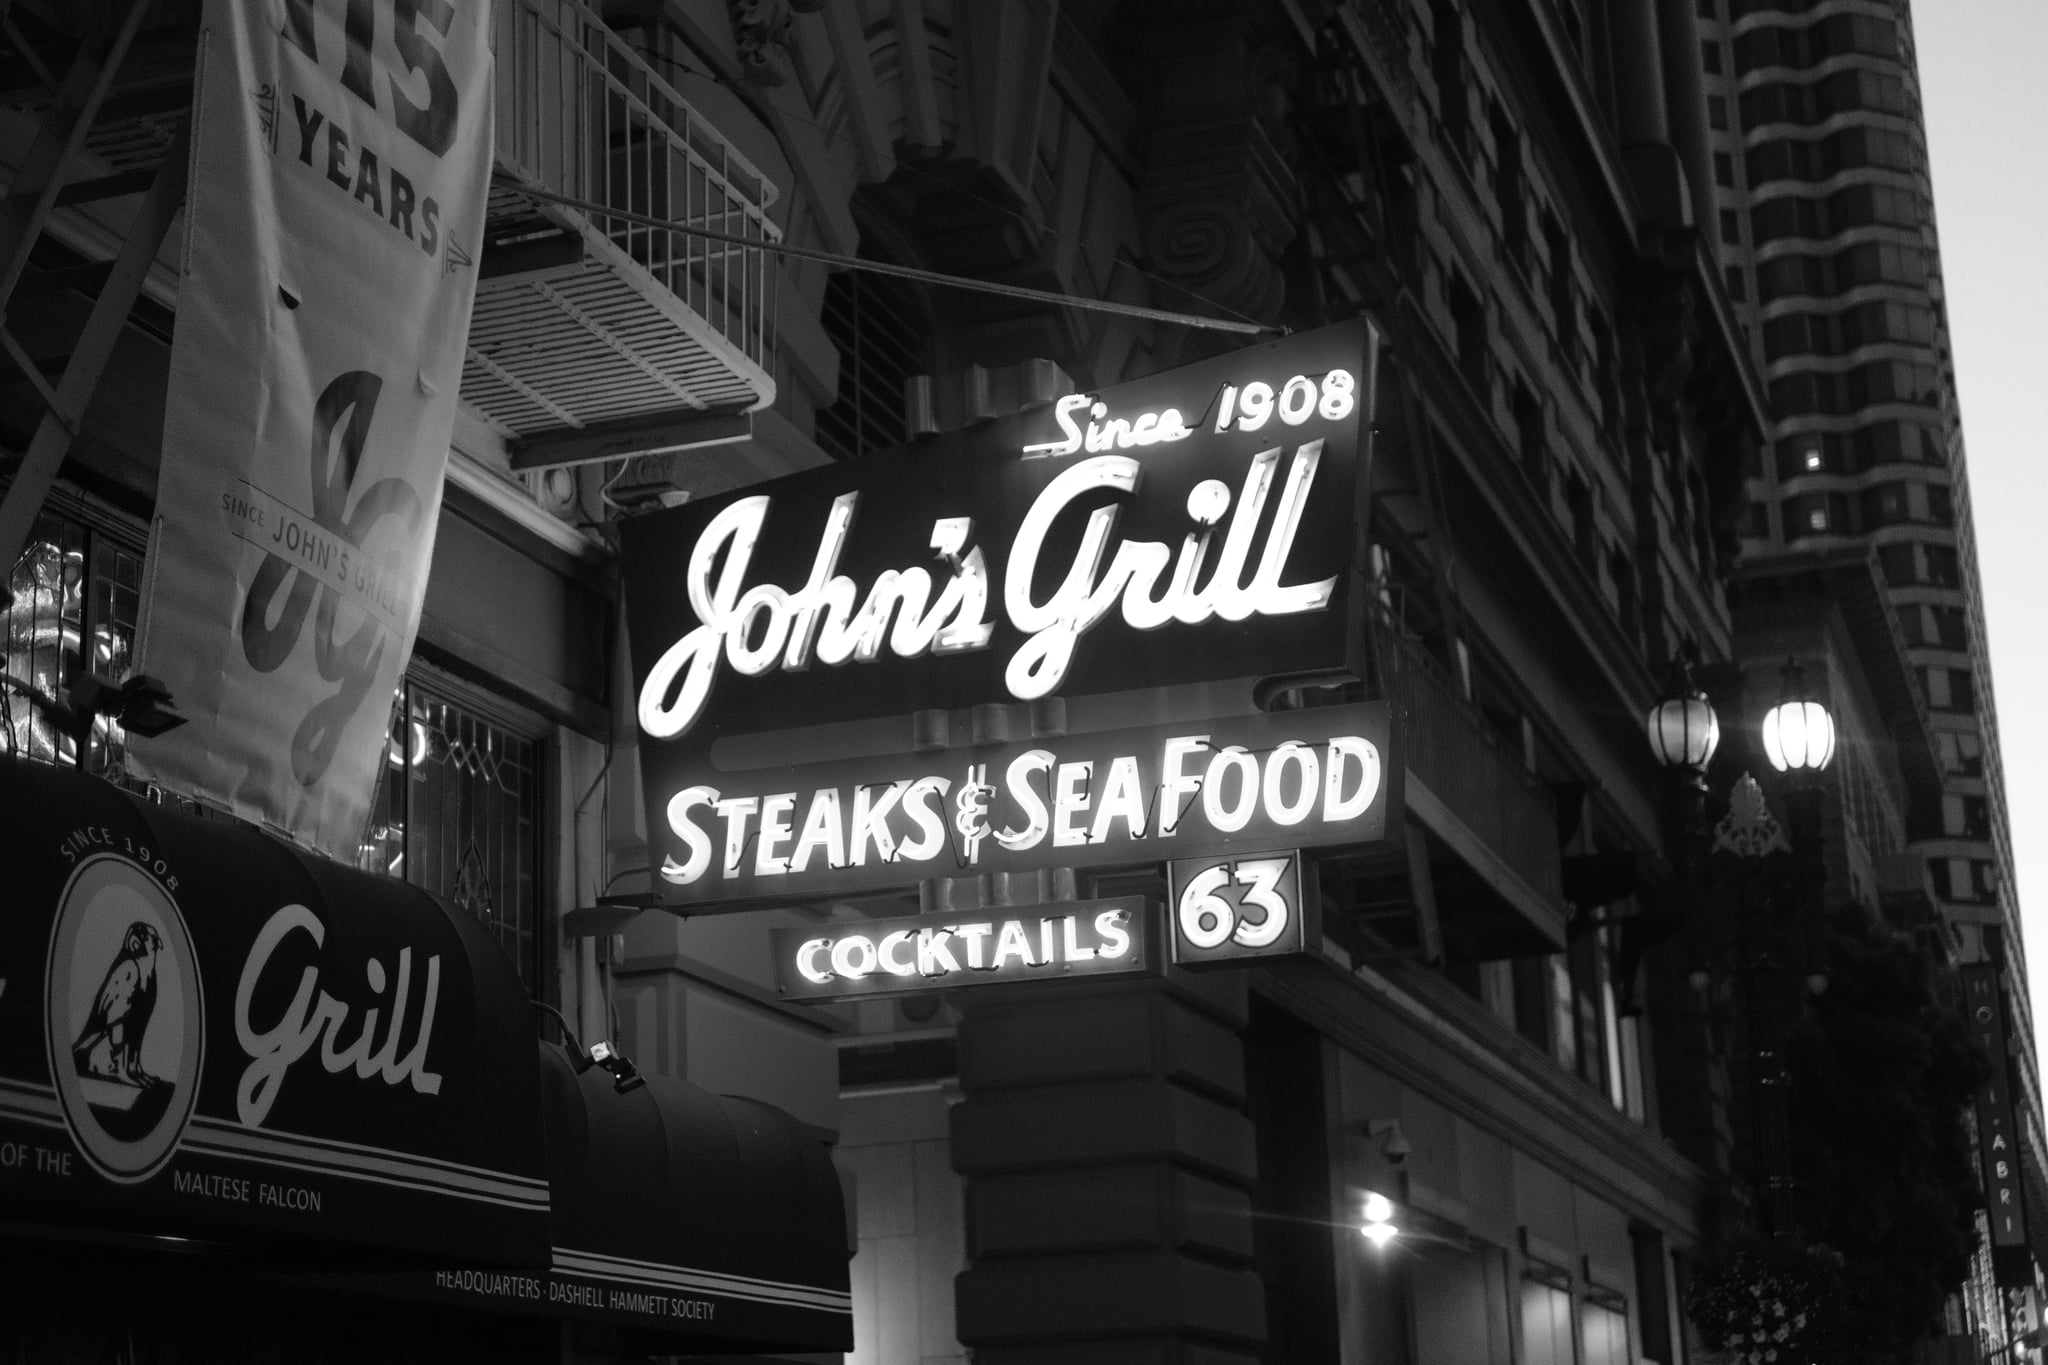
(1207, 919)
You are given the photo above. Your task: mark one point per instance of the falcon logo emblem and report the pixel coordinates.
(111, 1045)
(124, 1021)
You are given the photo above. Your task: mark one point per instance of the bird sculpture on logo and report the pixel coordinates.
(110, 1044)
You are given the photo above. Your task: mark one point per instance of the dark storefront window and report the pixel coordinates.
(76, 593)
(455, 813)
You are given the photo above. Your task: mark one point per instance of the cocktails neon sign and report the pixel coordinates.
(941, 952)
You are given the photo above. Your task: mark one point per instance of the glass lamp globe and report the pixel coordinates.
(1683, 729)
(1799, 736)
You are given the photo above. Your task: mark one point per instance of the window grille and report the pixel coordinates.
(874, 321)
(455, 813)
(77, 590)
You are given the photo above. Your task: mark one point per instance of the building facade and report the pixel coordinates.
(1825, 207)
(1497, 1031)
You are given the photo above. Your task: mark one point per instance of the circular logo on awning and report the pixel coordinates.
(124, 1020)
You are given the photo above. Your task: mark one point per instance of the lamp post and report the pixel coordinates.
(1684, 732)
(1763, 879)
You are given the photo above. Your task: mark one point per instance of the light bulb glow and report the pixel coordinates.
(1378, 1209)
(1379, 1234)
(1799, 736)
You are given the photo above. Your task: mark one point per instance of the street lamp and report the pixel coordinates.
(1683, 729)
(1799, 734)
(1750, 869)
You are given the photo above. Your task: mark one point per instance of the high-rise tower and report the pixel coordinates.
(1826, 218)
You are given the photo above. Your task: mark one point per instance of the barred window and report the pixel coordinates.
(77, 589)
(455, 813)
(877, 323)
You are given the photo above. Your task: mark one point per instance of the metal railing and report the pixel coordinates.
(1454, 753)
(583, 115)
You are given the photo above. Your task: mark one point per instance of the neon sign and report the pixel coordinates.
(1191, 533)
(757, 629)
(1306, 778)
(1224, 910)
(862, 958)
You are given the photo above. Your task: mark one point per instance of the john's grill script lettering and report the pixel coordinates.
(307, 569)
(758, 629)
(317, 1017)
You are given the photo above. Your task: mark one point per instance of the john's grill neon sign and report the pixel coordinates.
(1179, 536)
(764, 627)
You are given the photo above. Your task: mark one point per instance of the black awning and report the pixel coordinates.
(678, 1211)
(209, 1034)
(212, 1037)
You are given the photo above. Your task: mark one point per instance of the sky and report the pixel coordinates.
(1986, 104)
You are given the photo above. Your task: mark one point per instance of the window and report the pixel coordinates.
(1529, 441)
(1941, 506)
(1578, 502)
(1944, 566)
(1724, 169)
(1731, 228)
(1547, 1322)
(1937, 688)
(878, 325)
(1966, 817)
(1899, 565)
(77, 590)
(1468, 318)
(1460, 1303)
(1510, 194)
(456, 811)
(1447, 65)
(1604, 1324)
(1710, 57)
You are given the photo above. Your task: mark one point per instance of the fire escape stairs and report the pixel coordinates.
(52, 177)
(594, 337)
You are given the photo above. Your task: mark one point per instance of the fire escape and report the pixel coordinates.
(1480, 875)
(598, 331)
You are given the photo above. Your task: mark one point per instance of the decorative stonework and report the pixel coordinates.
(1218, 196)
(1749, 830)
(760, 33)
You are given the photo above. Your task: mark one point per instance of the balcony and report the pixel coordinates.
(594, 334)
(1491, 826)
(591, 325)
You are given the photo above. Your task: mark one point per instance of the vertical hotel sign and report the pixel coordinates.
(1997, 1137)
(341, 158)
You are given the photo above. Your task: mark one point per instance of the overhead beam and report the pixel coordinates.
(659, 435)
(73, 395)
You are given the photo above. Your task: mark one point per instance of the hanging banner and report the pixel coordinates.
(1997, 1134)
(341, 159)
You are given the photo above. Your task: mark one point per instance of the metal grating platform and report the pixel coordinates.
(589, 343)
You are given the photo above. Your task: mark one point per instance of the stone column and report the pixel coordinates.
(1678, 27)
(1109, 1163)
(1642, 114)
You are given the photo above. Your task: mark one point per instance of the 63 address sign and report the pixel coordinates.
(1227, 909)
